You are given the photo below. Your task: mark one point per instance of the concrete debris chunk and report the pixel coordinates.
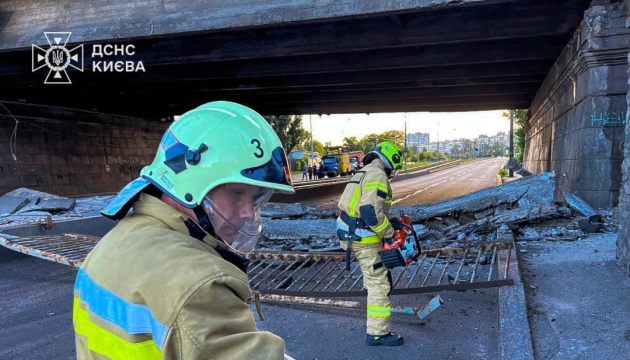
(530, 191)
(51, 205)
(39, 201)
(11, 204)
(579, 205)
(517, 168)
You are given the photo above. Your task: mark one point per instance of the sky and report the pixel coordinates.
(451, 125)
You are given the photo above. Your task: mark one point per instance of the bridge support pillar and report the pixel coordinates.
(576, 123)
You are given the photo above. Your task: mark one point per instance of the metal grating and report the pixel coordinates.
(68, 249)
(456, 266)
(322, 278)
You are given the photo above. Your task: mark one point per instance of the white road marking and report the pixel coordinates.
(418, 192)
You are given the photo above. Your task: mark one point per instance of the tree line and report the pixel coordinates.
(294, 136)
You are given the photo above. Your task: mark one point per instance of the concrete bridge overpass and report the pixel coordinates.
(566, 61)
(292, 56)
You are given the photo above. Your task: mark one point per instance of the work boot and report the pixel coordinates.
(391, 339)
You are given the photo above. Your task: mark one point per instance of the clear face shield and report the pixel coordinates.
(393, 175)
(234, 211)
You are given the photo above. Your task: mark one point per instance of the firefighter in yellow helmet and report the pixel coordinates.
(166, 282)
(362, 226)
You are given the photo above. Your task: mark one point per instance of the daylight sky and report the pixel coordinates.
(453, 125)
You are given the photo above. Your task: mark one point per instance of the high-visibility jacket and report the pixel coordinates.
(158, 287)
(368, 197)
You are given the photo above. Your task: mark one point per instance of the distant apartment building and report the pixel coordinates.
(418, 140)
(501, 138)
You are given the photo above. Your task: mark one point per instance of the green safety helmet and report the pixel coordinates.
(217, 143)
(389, 154)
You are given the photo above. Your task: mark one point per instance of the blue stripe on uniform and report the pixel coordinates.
(132, 318)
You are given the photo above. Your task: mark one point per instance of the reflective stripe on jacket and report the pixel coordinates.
(368, 196)
(149, 290)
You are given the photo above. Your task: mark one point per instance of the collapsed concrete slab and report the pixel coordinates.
(534, 190)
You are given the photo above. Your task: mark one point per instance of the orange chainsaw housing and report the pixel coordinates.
(391, 253)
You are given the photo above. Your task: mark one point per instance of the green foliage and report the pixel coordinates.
(318, 147)
(503, 172)
(289, 129)
(368, 142)
(520, 118)
(351, 143)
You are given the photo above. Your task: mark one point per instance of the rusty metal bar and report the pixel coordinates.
(402, 272)
(325, 275)
(507, 262)
(492, 263)
(413, 276)
(430, 269)
(461, 265)
(448, 262)
(265, 269)
(472, 277)
(304, 263)
(317, 272)
(271, 273)
(348, 277)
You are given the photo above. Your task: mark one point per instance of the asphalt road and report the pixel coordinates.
(437, 186)
(35, 308)
(447, 183)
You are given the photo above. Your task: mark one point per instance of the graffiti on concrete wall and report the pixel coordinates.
(609, 119)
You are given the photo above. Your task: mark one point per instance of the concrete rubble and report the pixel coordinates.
(521, 210)
(25, 206)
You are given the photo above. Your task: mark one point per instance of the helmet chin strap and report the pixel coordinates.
(204, 221)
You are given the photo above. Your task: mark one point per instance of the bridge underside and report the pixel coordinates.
(482, 55)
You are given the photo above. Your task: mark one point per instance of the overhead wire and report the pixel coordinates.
(13, 143)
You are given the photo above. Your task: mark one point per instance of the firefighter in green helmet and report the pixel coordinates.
(166, 282)
(363, 224)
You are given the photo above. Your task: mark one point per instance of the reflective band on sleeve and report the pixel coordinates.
(382, 226)
(356, 196)
(379, 311)
(130, 317)
(376, 185)
(105, 343)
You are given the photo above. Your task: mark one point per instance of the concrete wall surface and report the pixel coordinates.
(70, 152)
(576, 123)
(22, 23)
(623, 240)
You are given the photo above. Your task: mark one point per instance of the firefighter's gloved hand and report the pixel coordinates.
(396, 223)
(388, 240)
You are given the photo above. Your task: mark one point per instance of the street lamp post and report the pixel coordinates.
(511, 172)
(310, 120)
(438, 142)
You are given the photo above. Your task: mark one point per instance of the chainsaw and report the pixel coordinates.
(404, 248)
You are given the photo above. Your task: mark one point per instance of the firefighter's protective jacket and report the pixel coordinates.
(368, 197)
(151, 290)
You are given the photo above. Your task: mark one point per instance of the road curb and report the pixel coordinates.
(515, 340)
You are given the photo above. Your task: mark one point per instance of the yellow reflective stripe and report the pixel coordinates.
(382, 226)
(105, 343)
(355, 201)
(387, 201)
(376, 185)
(371, 239)
(379, 311)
